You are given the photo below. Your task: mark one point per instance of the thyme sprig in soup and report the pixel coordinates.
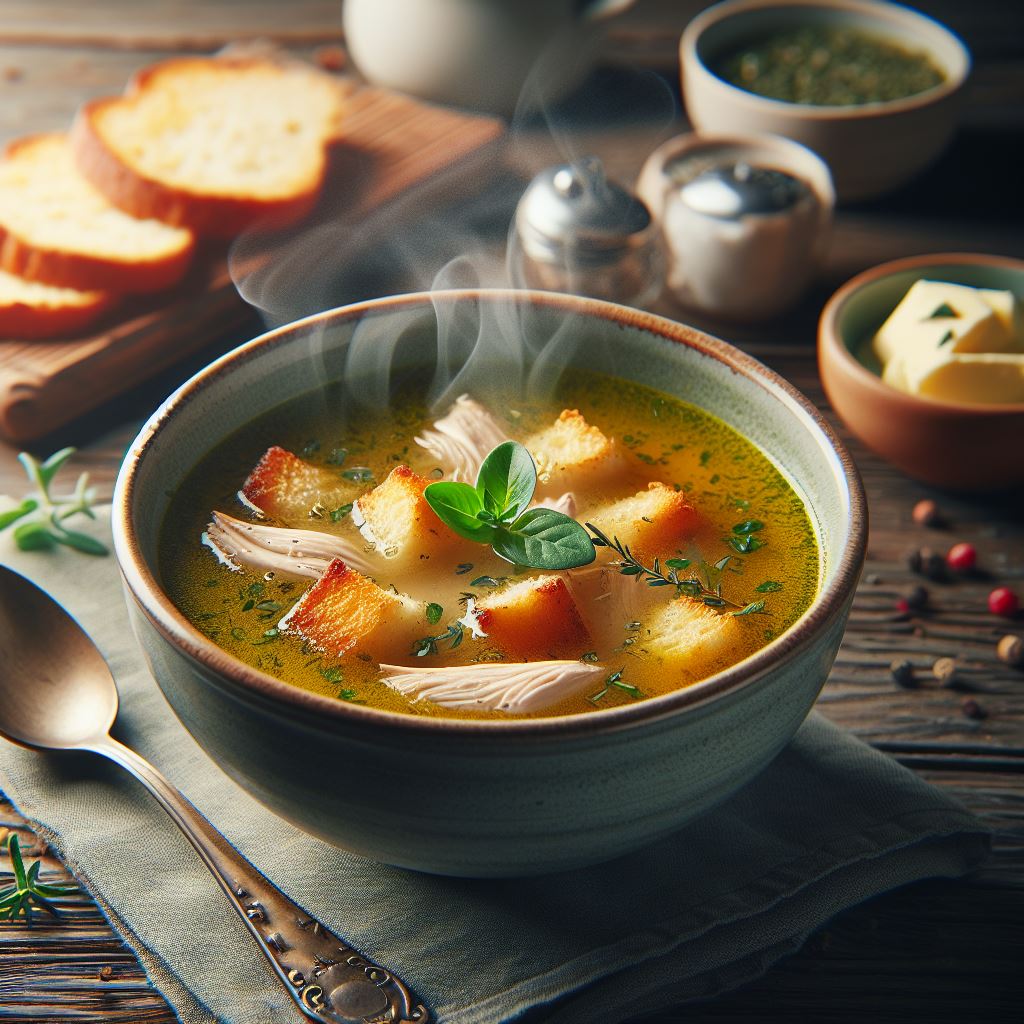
(315, 553)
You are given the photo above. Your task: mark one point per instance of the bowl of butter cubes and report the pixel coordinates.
(923, 359)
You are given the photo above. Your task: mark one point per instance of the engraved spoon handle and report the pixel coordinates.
(328, 980)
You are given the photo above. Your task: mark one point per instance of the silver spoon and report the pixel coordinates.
(57, 693)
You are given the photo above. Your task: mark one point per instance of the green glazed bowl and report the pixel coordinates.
(490, 798)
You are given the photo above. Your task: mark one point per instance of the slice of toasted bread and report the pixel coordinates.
(344, 611)
(58, 229)
(690, 638)
(213, 143)
(31, 310)
(571, 454)
(290, 489)
(397, 520)
(534, 619)
(652, 523)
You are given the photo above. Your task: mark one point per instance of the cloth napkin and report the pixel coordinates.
(829, 824)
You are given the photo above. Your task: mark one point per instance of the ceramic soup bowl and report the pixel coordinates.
(490, 798)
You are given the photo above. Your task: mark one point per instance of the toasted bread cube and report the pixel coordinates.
(286, 487)
(344, 611)
(534, 619)
(652, 523)
(397, 520)
(691, 638)
(571, 454)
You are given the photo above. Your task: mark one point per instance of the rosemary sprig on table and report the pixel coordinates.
(41, 516)
(27, 892)
(708, 589)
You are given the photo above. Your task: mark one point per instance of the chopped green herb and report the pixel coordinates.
(336, 456)
(744, 544)
(748, 526)
(705, 458)
(434, 613)
(339, 513)
(463, 567)
(590, 656)
(359, 474)
(311, 447)
(768, 587)
(333, 674)
(488, 581)
(349, 695)
(754, 608)
(428, 644)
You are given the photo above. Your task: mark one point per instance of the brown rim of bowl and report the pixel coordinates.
(174, 627)
(828, 327)
(872, 10)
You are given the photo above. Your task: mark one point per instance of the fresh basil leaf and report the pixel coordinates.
(506, 481)
(14, 514)
(80, 542)
(34, 537)
(544, 539)
(456, 505)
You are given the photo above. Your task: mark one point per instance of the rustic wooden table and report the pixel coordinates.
(935, 951)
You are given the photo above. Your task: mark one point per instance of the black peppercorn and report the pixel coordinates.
(903, 672)
(927, 563)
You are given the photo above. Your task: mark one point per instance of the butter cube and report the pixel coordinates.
(936, 315)
(1010, 314)
(980, 378)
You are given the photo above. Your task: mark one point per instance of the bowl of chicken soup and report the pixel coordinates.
(489, 583)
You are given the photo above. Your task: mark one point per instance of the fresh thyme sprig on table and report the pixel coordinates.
(18, 899)
(41, 516)
(708, 590)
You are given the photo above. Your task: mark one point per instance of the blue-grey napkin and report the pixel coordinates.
(828, 824)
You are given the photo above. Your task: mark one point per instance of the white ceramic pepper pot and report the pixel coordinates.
(482, 54)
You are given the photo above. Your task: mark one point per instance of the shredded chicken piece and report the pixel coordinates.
(279, 549)
(564, 503)
(462, 438)
(515, 688)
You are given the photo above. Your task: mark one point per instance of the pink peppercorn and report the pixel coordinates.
(1003, 601)
(961, 557)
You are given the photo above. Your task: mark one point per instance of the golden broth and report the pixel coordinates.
(723, 475)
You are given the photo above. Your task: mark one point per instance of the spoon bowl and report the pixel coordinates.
(57, 693)
(42, 705)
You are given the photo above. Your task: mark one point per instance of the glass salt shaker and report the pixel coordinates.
(576, 231)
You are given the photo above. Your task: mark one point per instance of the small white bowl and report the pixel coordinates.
(871, 148)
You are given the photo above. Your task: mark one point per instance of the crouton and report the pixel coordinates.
(691, 638)
(571, 454)
(397, 520)
(346, 612)
(536, 618)
(286, 487)
(652, 523)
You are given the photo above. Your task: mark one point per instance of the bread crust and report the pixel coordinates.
(33, 321)
(208, 214)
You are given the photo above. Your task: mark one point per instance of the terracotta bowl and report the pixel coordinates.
(489, 798)
(871, 148)
(962, 447)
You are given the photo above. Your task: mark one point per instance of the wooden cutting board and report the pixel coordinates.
(392, 146)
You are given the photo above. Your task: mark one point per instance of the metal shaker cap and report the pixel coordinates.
(573, 212)
(732, 191)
